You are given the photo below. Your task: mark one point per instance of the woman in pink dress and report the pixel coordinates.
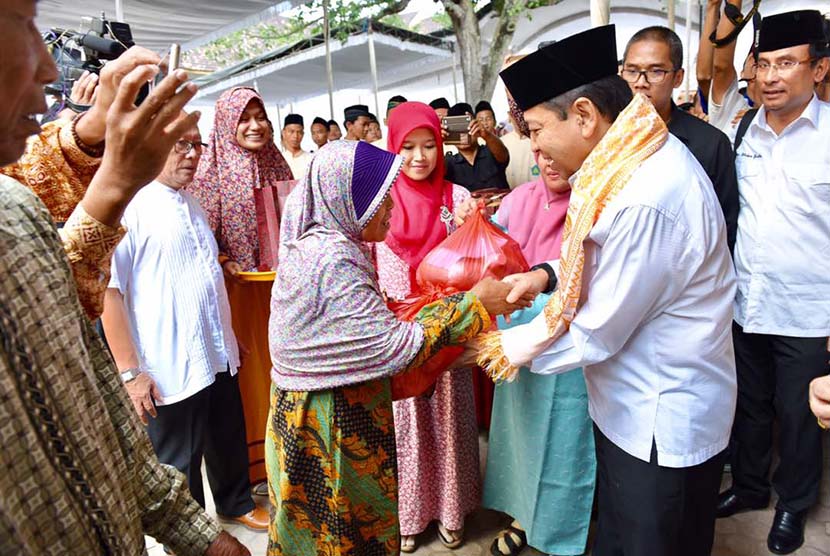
(436, 436)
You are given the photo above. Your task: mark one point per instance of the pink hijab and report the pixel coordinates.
(416, 219)
(535, 217)
(227, 176)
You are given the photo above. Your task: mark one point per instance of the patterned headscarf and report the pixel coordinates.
(227, 175)
(329, 323)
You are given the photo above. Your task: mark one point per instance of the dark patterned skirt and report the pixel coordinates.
(332, 472)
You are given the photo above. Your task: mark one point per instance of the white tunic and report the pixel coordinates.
(298, 164)
(167, 269)
(653, 331)
(782, 253)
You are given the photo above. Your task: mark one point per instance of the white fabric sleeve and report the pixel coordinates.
(646, 263)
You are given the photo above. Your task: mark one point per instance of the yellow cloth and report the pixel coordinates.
(637, 133)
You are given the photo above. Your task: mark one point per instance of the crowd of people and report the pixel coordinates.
(676, 313)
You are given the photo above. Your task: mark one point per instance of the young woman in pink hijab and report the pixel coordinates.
(436, 436)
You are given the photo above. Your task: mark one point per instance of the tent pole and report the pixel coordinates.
(119, 10)
(600, 12)
(670, 14)
(688, 47)
(329, 74)
(373, 66)
(454, 80)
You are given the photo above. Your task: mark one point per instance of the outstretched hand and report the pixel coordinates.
(493, 295)
(527, 283)
(138, 140)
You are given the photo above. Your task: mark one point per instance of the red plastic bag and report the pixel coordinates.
(269, 202)
(475, 251)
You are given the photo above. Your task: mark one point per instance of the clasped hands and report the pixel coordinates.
(514, 292)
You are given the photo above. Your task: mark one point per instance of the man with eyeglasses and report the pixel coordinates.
(652, 65)
(782, 314)
(168, 324)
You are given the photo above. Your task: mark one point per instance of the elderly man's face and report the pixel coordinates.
(561, 141)
(183, 160)
(25, 69)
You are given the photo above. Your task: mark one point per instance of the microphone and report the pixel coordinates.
(106, 47)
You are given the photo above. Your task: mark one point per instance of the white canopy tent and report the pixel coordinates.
(298, 72)
(157, 23)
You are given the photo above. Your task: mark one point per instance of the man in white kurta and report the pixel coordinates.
(652, 329)
(168, 324)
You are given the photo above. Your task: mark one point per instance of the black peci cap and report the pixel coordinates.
(440, 102)
(562, 66)
(292, 119)
(353, 112)
(791, 29)
(460, 109)
(482, 106)
(321, 121)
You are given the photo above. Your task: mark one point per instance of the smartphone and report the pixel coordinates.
(458, 129)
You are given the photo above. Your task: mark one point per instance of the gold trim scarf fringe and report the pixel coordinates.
(636, 134)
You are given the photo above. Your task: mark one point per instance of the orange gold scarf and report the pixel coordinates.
(636, 134)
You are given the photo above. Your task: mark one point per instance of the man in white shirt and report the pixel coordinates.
(168, 325)
(652, 324)
(293, 131)
(782, 307)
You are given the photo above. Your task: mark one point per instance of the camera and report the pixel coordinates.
(458, 129)
(87, 49)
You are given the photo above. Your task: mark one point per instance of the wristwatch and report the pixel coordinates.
(130, 374)
(551, 287)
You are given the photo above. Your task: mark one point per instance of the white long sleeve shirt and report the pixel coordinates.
(167, 269)
(653, 330)
(782, 253)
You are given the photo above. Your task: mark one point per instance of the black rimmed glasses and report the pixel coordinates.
(652, 75)
(183, 146)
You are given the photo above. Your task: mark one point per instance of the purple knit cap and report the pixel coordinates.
(374, 172)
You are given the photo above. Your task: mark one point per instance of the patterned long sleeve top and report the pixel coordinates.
(55, 168)
(79, 473)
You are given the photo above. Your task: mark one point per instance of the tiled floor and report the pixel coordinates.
(741, 535)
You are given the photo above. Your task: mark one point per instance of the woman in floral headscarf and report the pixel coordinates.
(241, 156)
(330, 449)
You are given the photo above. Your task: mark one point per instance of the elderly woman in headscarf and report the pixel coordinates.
(437, 437)
(330, 448)
(240, 157)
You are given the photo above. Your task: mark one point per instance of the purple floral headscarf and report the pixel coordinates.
(329, 324)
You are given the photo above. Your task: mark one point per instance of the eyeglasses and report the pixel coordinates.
(183, 146)
(783, 67)
(652, 76)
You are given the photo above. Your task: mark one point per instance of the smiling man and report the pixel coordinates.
(782, 315)
(168, 324)
(645, 304)
(652, 65)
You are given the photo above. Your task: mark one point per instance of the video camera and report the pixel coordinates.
(87, 49)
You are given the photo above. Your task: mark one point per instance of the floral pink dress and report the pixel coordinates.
(436, 436)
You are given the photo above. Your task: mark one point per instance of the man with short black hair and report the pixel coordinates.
(393, 102)
(477, 166)
(653, 66)
(334, 131)
(485, 116)
(441, 107)
(782, 314)
(373, 132)
(356, 119)
(319, 132)
(645, 303)
(293, 132)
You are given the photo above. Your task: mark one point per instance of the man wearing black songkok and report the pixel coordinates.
(782, 314)
(356, 120)
(293, 132)
(441, 106)
(485, 116)
(641, 299)
(319, 131)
